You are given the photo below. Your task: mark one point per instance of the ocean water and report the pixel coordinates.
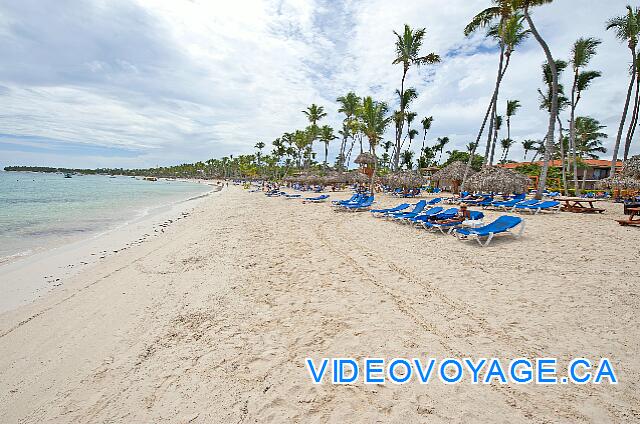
(39, 211)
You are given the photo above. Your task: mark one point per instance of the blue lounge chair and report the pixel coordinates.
(548, 205)
(401, 207)
(416, 210)
(353, 200)
(449, 226)
(317, 199)
(425, 216)
(364, 205)
(504, 224)
(434, 201)
(447, 214)
(292, 196)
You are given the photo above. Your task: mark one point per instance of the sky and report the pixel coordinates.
(141, 83)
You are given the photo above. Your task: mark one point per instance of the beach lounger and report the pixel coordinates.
(425, 216)
(353, 198)
(292, 196)
(364, 205)
(419, 207)
(548, 205)
(318, 199)
(434, 201)
(379, 212)
(504, 224)
(475, 220)
(447, 214)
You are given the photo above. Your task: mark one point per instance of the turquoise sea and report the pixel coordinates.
(39, 211)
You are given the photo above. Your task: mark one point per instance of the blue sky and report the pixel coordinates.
(141, 83)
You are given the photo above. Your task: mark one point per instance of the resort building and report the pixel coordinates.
(590, 171)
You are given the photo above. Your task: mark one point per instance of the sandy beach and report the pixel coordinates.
(212, 319)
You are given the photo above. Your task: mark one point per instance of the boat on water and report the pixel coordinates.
(150, 179)
(67, 175)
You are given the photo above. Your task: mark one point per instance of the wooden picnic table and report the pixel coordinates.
(633, 212)
(579, 204)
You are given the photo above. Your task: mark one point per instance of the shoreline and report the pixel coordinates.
(28, 277)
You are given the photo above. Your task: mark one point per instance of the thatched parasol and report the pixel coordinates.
(365, 158)
(406, 179)
(620, 182)
(452, 172)
(356, 177)
(499, 180)
(335, 178)
(631, 167)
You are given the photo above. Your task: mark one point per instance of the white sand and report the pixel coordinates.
(211, 320)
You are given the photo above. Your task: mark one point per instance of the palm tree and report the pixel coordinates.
(314, 113)
(627, 28)
(259, 146)
(512, 108)
(506, 144)
(581, 53)
(407, 158)
(439, 147)
(589, 137)
(426, 126)
(374, 124)
(509, 32)
(408, 53)
(349, 105)
(326, 136)
(526, 5)
(527, 145)
(563, 102)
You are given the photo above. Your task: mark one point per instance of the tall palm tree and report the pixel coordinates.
(314, 113)
(407, 158)
(506, 144)
(374, 124)
(563, 102)
(627, 28)
(259, 146)
(512, 108)
(506, 26)
(426, 126)
(408, 46)
(442, 142)
(581, 53)
(349, 105)
(326, 136)
(527, 146)
(526, 6)
(589, 139)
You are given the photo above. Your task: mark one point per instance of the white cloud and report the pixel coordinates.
(173, 81)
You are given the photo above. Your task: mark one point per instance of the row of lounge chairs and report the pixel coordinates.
(357, 202)
(434, 218)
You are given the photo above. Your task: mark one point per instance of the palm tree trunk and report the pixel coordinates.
(572, 132)
(542, 182)
(501, 72)
(562, 157)
(375, 168)
(494, 140)
(348, 158)
(634, 118)
(400, 124)
(616, 147)
(326, 154)
(584, 177)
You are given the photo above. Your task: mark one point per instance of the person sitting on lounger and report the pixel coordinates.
(462, 214)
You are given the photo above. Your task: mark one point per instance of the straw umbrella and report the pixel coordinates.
(631, 167)
(451, 174)
(498, 180)
(619, 182)
(405, 179)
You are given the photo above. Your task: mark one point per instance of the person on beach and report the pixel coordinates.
(462, 215)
